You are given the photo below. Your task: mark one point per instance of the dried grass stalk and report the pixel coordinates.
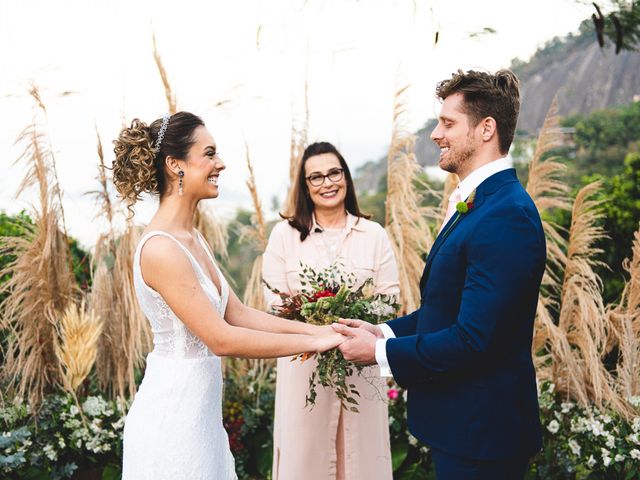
(168, 91)
(548, 191)
(79, 332)
(625, 318)
(40, 281)
(582, 314)
(214, 231)
(297, 146)
(406, 218)
(257, 235)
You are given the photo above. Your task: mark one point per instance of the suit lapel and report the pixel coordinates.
(487, 187)
(444, 234)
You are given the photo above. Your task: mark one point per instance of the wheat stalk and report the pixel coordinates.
(79, 331)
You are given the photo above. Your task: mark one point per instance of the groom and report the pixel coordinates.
(465, 355)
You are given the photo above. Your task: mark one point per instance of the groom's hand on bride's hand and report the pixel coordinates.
(369, 327)
(359, 346)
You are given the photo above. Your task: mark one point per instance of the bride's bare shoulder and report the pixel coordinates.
(162, 258)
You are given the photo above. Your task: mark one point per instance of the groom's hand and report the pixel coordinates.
(360, 345)
(369, 327)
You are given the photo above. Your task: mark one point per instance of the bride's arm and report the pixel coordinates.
(240, 315)
(167, 270)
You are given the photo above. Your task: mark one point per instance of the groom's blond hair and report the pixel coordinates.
(485, 95)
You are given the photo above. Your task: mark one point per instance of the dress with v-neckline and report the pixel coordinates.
(174, 428)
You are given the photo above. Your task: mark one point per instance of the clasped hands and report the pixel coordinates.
(359, 343)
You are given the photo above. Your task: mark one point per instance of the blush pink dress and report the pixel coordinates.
(327, 442)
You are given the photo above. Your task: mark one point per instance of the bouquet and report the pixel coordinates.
(326, 296)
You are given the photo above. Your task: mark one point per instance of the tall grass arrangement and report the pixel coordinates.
(126, 336)
(625, 321)
(406, 217)
(40, 283)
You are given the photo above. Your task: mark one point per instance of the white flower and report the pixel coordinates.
(413, 440)
(575, 447)
(6, 434)
(94, 406)
(635, 454)
(596, 427)
(606, 461)
(611, 441)
(74, 410)
(591, 461)
(551, 387)
(50, 452)
(633, 438)
(558, 415)
(636, 424)
(606, 457)
(635, 401)
(618, 458)
(553, 426)
(566, 406)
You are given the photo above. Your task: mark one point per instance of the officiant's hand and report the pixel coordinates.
(369, 327)
(360, 345)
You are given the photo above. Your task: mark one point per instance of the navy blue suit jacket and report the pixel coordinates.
(465, 354)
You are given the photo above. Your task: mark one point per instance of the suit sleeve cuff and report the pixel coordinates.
(381, 357)
(387, 332)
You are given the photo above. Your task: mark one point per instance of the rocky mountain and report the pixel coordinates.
(584, 77)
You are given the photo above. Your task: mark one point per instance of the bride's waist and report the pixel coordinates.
(162, 356)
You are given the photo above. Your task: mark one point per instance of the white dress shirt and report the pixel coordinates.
(464, 189)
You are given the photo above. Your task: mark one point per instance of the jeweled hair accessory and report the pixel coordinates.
(163, 130)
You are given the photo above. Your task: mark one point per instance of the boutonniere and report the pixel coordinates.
(464, 207)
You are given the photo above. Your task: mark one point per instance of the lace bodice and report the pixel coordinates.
(170, 336)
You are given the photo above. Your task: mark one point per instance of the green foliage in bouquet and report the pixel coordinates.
(327, 296)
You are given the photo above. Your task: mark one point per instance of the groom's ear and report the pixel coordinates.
(488, 128)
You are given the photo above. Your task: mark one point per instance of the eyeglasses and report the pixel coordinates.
(317, 179)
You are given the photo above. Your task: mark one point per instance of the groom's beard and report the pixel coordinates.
(458, 156)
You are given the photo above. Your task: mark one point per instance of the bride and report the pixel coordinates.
(174, 427)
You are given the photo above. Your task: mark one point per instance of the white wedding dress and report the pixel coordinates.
(174, 428)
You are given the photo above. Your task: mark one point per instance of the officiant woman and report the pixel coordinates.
(326, 227)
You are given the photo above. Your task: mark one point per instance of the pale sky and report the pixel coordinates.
(253, 55)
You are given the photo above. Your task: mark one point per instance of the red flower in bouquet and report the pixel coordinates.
(323, 294)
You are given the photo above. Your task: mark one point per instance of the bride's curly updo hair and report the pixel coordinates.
(139, 166)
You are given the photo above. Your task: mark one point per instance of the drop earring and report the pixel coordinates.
(181, 176)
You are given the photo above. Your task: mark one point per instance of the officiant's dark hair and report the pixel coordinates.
(302, 216)
(485, 95)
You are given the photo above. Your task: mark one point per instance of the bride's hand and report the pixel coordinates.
(328, 339)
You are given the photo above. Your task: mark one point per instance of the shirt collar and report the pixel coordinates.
(475, 178)
(353, 223)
